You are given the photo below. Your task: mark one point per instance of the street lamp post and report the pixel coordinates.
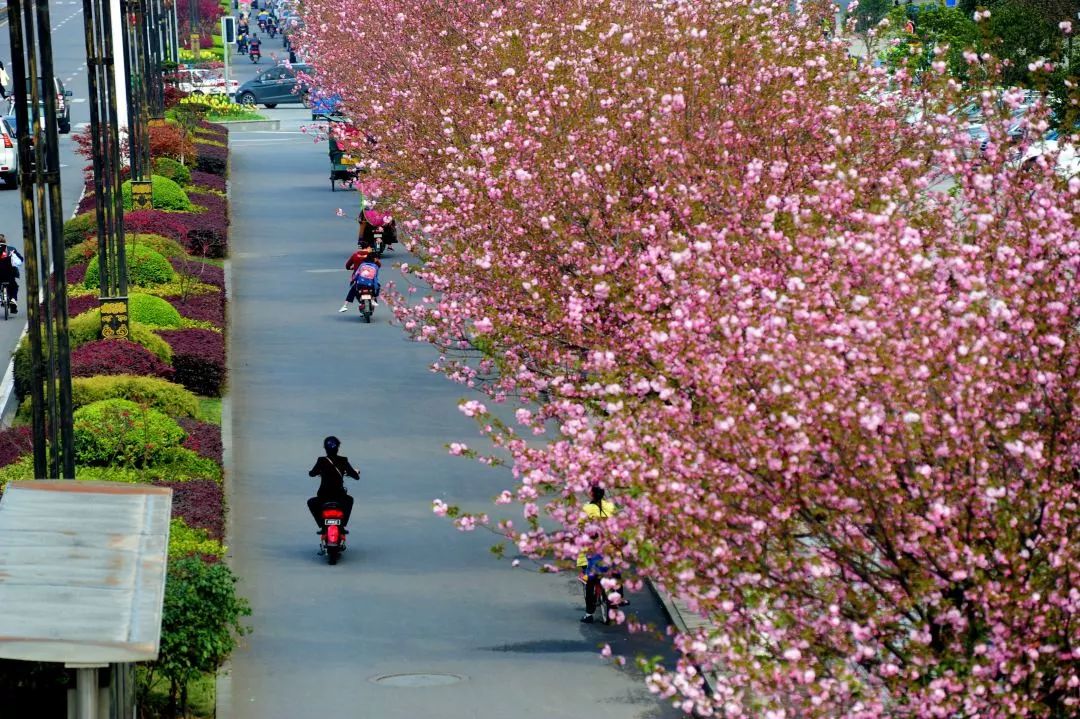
(43, 243)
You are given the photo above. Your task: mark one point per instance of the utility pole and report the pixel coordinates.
(45, 293)
(105, 137)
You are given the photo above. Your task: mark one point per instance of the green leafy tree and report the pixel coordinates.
(200, 625)
(934, 25)
(866, 17)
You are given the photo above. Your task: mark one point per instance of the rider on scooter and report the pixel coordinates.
(332, 470)
(364, 254)
(253, 47)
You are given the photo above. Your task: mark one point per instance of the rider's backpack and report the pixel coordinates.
(366, 275)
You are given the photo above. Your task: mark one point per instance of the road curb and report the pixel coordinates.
(223, 693)
(248, 125)
(675, 616)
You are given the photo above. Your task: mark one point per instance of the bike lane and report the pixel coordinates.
(417, 619)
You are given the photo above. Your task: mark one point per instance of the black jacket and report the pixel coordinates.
(8, 271)
(333, 475)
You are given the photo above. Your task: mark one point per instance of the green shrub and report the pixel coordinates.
(145, 267)
(17, 471)
(87, 328)
(166, 194)
(120, 432)
(185, 541)
(80, 227)
(153, 311)
(165, 245)
(172, 399)
(170, 168)
(176, 464)
(82, 329)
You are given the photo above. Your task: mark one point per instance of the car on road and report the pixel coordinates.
(63, 105)
(196, 81)
(275, 86)
(9, 154)
(1053, 145)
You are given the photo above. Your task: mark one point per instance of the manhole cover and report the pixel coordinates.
(418, 680)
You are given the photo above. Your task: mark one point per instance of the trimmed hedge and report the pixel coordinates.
(145, 267)
(172, 169)
(199, 502)
(208, 180)
(82, 329)
(212, 159)
(162, 395)
(203, 308)
(157, 222)
(16, 442)
(203, 438)
(79, 227)
(199, 359)
(115, 357)
(166, 194)
(153, 311)
(87, 328)
(185, 541)
(118, 431)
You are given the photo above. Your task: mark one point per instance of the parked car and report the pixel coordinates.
(274, 86)
(9, 154)
(63, 107)
(197, 81)
(1067, 161)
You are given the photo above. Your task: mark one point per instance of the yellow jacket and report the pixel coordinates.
(591, 512)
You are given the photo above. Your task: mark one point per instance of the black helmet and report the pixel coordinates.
(331, 444)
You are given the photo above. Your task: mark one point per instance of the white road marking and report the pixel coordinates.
(339, 269)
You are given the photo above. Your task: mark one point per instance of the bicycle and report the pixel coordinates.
(4, 298)
(600, 595)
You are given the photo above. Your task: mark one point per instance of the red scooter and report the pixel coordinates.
(332, 537)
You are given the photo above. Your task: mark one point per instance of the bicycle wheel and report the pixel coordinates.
(4, 300)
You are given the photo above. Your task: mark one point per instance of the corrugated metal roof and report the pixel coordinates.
(82, 570)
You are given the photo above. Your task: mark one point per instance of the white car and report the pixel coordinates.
(9, 155)
(203, 82)
(1068, 161)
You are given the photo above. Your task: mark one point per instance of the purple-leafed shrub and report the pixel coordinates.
(75, 274)
(206, 308)
(202, 437)
(14, 443)
(117, 357)
(212, 129)
(201, 271)
(208, 180)
(156, 222)
(199, 503)
(80, 304)
(211, 158)
(199, 359)
(208, 231)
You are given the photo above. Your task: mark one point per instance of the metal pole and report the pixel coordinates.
(86, 690)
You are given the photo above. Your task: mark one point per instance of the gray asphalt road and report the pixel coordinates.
(411, 595)
(69, 62)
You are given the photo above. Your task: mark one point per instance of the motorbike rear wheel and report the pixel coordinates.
(332, 554)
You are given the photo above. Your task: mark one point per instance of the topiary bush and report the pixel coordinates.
(120, 432)
(165, 245)
(174, 464)
(87, 328)
(203, 308)
(166, 194)
(79, 227)
(199, 359)
(115, 357)
(153, 311)
(146, 267)
(203, 438)
(172, 399)
(170, 168)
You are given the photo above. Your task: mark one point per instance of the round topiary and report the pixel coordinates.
(170, 168)
(158, 243)
(80, 227)
(120, 432)
(146, 268)
(166, 194)
(116, 356)
(151, 310)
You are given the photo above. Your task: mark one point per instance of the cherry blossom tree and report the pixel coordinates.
(820, 345)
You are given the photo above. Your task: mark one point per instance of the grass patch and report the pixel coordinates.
(209, 410)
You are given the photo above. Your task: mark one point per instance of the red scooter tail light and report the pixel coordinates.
(333, 514)
(333, 534)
